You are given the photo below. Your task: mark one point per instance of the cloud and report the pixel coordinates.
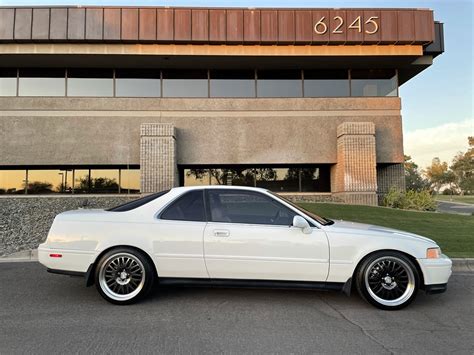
(442, 141)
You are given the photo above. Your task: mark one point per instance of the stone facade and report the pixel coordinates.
(25, 221)
(157, 157)
(354, 177)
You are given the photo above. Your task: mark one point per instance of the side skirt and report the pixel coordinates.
(238, 283)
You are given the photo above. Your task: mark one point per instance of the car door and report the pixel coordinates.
(250, 235)
(178, 237)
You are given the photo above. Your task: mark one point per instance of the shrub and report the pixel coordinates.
(410, 200)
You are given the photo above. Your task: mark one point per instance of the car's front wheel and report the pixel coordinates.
(388, 280)
(123, 276)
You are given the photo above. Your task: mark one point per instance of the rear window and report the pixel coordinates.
(137, 203)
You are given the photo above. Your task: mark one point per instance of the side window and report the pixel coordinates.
(189, 207)
(247, 207)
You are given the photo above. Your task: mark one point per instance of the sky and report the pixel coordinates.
(437, 105)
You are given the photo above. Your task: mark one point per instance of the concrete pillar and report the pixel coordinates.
(354, 177)
(389, 176)
(158, 167)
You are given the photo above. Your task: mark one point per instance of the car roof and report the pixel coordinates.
(233, 187)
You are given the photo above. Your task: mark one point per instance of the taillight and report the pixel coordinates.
(55, 255)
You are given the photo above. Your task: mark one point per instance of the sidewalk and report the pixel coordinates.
(459, 264)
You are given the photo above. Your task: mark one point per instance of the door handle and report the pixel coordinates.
(221, 233)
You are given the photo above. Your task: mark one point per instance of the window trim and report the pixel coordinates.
(269, 196)
(160, 213)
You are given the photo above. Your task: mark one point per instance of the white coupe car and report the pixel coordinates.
(238, 236)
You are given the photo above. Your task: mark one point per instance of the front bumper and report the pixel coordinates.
(436, 273)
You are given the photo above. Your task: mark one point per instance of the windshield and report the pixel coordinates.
(321, 220)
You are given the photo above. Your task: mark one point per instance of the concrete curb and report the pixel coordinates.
(459, 264)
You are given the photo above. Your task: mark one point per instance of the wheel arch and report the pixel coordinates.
(409, 256)
(90, 275)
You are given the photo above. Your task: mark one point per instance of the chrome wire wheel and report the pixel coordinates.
(390, 281)
(122, 276)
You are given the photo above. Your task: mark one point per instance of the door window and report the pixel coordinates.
(233, 206)
(189, 207)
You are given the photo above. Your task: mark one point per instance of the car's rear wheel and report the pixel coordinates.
(388, 280)
(123, 276)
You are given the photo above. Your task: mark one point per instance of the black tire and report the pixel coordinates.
(388, 280)
(124, 276)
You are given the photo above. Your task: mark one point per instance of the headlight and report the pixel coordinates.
(433, 253)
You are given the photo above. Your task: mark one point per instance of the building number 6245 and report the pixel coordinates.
(371, 26)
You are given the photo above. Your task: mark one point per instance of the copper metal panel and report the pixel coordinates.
(23, 21)
(286, 26)
(112, 20)
(217, 25)
(303, 26)
(147, 25)
(320, 16)
(182, 25)
(94, 24)
(129, 24)
(252, 26)
(235, 26)
(58, 24)
(7, 23)
(165, 25)
(354, 19)
(389, 26)
(200, 25)
(337, 26)
(76, 24)
(370, 27)
(424, 29)
(40, 28)
(406, 27)
(269, 26)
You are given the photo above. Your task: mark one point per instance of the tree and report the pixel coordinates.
(463, 169)
(97, 184)
(413, 178)
(38, 187)
(238, 176)
(438, 174)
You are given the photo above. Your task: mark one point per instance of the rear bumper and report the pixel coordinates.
(72, 261)
(436, 273)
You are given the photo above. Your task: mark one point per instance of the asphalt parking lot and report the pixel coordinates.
(45, 313)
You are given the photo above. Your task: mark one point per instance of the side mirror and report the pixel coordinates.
(300, 222)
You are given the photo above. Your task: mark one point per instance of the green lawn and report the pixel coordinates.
(453, 233)
(455, 198)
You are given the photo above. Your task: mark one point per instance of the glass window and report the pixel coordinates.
(279, 83)
(12, 181)
(326, 83)
(374, 83)
(90, 82)
(7, 82)
(104, 181)
(232, 83)
(42, 82)
(185, 83)
(189, 207)
(315, 179)
(282, 180)
(130, 180)
(82, 183)
(233, 206)
(196, 177)
(137, 83)
(48, 181)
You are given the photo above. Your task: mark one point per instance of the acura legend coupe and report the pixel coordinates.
(232, 236)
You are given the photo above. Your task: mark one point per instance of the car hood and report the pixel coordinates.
(362, 228)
